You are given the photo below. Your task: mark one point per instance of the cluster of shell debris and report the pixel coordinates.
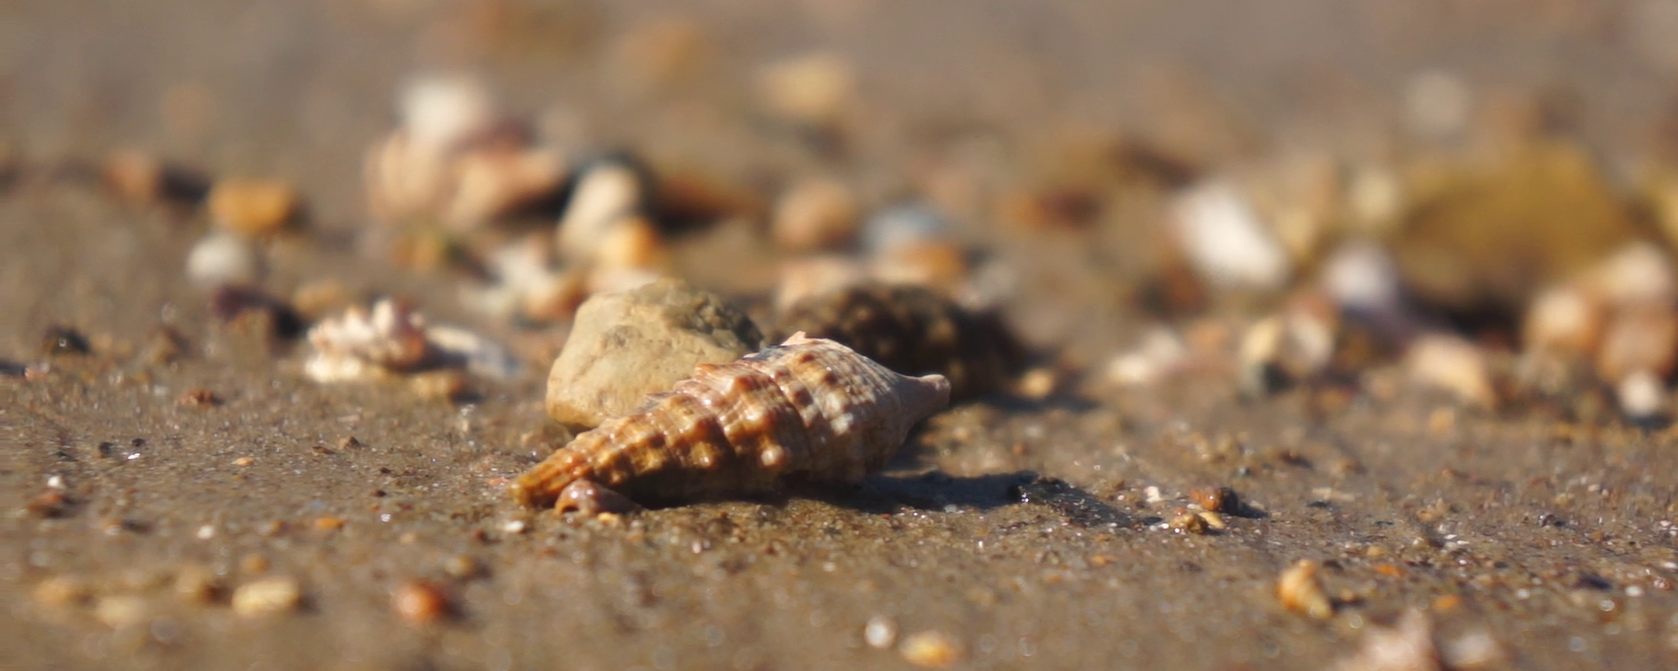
(1518, 270)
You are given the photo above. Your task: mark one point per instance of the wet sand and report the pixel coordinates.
(1026, 532)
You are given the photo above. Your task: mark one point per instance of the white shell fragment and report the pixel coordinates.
(392, 340)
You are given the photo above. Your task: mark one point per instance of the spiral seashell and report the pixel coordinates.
(808, 409)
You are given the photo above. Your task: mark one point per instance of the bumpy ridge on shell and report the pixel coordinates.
(808, 408)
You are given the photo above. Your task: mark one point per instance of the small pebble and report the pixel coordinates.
(813, 89)
(930, 649)
(880, 632)
(463, 567)
(1299, 590)
(815, 214)
(1215, 499)
(1642, 395)
(198, 584)
(253, 207)
(420, 602)
(278, 594)
(223, 258)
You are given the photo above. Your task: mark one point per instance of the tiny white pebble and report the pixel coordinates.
(1634, 591)
(56, 482)
(514, 527)
(880, 632)
(206, 532)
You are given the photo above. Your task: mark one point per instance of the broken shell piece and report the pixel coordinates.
(1295, 345)
(1221, 233)
(1299, 590)
(1160, 353)
(393, 339)
(456, 160)
(606, 194)
(808, 409)
(1452, 364)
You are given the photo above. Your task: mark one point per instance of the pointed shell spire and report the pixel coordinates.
(807, 409)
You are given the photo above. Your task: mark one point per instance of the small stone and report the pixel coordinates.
(815, 214)
(930, 649)
(329, 523)
(222, 258)
(50, 504)
(319, 298)
(1190, 523)
(880, 632)
(627, 345)
(420, 602)
(1642, 396)
(632, 242)
(1038, 383)
(463, 567)
(1215, 499)
(278, 594)
(198, 585)
(254, 207)
(1299, 590)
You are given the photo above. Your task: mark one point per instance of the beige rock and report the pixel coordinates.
(815, 214)
(627, 345)
(254, 207)
(814, 88)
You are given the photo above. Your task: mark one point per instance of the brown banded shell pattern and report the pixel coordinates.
(807, 409)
